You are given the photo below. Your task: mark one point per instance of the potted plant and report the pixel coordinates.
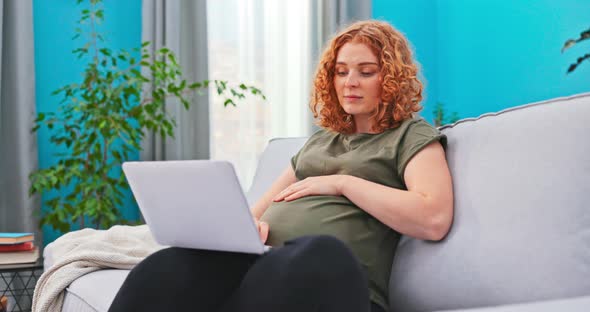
(102, 119)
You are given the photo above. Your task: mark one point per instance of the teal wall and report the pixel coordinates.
(487, 55)
(417, 21)
(55, 66)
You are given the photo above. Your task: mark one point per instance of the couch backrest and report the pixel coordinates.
(275, 157)
(521, 229)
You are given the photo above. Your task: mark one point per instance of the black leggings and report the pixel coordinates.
(311, 273)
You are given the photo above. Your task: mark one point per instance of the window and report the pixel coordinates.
(263, 43)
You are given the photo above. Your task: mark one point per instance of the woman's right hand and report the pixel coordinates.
(262, 229)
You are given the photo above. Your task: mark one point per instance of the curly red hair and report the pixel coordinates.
(402, 90)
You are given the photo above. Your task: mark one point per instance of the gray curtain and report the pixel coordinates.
(331, 16)
(328, 18)
(18, 147)
(182, 27)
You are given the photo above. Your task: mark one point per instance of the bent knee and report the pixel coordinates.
(163, 260)
(324, 246)
(179, 257)
(167, 255)
(310, 253)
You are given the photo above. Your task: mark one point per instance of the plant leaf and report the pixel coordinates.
(578, 62)
(568, 44)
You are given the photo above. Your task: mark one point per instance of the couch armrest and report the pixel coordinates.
(48, 260)
(577, 304)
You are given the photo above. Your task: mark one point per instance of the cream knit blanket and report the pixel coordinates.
(85, 251)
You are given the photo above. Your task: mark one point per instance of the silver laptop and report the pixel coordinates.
(194, 204)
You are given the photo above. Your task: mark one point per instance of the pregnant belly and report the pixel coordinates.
(316, 215)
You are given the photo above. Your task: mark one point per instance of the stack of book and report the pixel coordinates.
(18, 248)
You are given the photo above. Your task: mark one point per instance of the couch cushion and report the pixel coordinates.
(578, 304)
(94, 292)
(521, 230)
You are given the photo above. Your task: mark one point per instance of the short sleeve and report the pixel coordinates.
(417, 136)
(304, 148)
(294, 160)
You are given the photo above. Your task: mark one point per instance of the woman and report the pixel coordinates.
(335, 215)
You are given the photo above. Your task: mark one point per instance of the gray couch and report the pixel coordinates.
(520, 240)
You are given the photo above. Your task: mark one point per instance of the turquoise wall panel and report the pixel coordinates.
(488, 55)
(55, 65)
(417, 21)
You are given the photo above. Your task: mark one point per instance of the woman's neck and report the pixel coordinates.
(363, 125)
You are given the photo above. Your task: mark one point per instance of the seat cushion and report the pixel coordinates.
(521, 230)
(94, 292)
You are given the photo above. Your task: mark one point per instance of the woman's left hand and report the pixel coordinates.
(320, 185)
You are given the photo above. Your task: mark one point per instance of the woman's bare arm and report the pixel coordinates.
(425, 210)
(285, 179)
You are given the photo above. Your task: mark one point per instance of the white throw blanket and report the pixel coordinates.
(85, 251)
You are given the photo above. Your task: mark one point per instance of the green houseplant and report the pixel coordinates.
(570, 43)
(101, 120)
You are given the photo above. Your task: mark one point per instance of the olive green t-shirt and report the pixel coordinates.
(380, 158)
